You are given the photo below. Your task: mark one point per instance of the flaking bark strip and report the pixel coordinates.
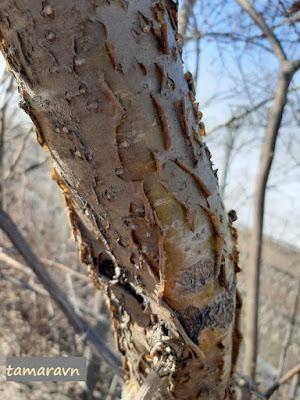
(187, 340)
(113, 55)
(164, 36)
(181, 110)
(202, 129)
(149, 216)
(172, 8)
(187, 212)
(196, 112)
(157, 221)
(143, 67)
(25, 105)
(200, 182)
(214, 219)
(197, 137)
(163, 120)
(71, 211)
(180, 105)
(118, 112)
(162, 265)
(190, 82)
(162, 75)
(237, 335)
(157, 162)
(219, 248)
(111, 97)
(222, 278)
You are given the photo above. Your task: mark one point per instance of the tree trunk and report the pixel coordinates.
(103, 83)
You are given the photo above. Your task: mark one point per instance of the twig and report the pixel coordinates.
(24, 285)
(16, 264)
(244, 114)
(293, 387)
(289, 332)
(10, 229)
(152, 384)
(259, 21)
(282, 380)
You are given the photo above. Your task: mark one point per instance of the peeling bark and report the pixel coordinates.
(103, 83)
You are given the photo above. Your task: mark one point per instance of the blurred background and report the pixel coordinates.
(236, 72)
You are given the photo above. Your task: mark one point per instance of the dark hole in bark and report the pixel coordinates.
(107, 268)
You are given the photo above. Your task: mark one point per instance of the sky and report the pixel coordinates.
(224, 72)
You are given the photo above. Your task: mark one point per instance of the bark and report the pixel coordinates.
(103, 84)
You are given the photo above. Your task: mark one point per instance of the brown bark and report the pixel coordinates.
(103, 84)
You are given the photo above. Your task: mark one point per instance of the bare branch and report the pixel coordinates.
(10, 229)
(151, 385)
(257, 18)
(244, 114)
(282, 380)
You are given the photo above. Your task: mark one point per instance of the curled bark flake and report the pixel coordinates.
(188, 216)
(192, 97)
(163, 120)
(113, 55)
(196, 112)
(222, 278)
(159, 10)
(24, 52)
(237, 335)
(180, 105)
(197, 137)
(162, 75)
(172, 8)
(214, 219)
(162, 265)
(104, 29)
(145, 23)
(157, 221)
(202, 129)
(111, 97)
(25, 105)
(190, 82)
(157, 162)
(124, 5)
(179, 42)
(219, 247)
(143, 67)
(72, 216)
(187, 339)
(200, 182)
(164, 38)
(181, 109)
(149, 213)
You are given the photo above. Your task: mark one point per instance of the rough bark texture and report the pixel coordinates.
(103, 84)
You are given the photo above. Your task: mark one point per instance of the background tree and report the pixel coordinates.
(259, 52)
(104, 87)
